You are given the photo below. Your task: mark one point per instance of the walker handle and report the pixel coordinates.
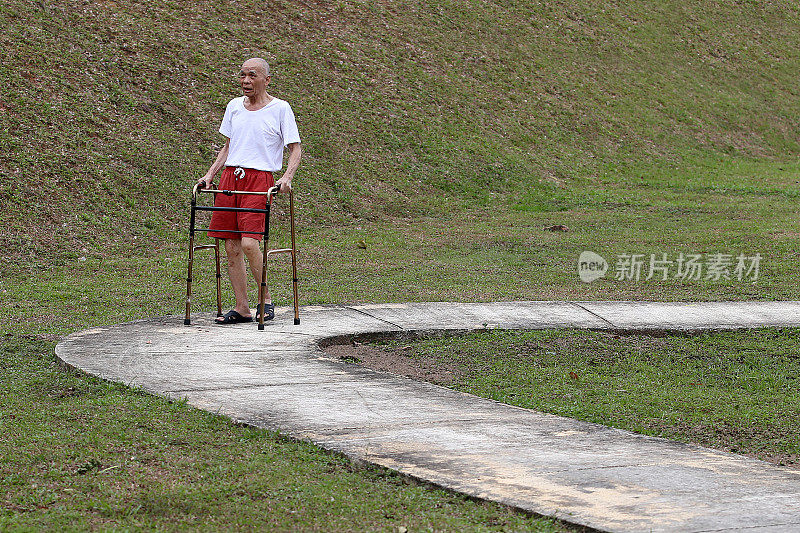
(199, 186)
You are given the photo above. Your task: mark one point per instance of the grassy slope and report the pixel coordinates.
(646, 128)
(116, 104)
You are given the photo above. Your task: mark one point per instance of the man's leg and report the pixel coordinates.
(237, 273)
(252, 249)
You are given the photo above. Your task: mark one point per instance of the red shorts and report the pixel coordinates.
(253, 181)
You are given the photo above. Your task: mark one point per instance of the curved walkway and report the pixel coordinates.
(580, 472)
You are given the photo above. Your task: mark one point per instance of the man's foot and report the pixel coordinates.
(232, 317)
(269, 312)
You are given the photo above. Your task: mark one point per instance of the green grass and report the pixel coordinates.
(79, 453)
(732, 390)
(444, 135)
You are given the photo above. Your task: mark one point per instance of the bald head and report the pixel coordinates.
(257, 63)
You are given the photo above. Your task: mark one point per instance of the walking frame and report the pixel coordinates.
(270, 194)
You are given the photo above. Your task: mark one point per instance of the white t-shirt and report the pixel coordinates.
(258, 137)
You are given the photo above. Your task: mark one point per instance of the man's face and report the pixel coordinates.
(253, 79)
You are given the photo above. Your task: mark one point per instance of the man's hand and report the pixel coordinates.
(206, 182)
(284, 185)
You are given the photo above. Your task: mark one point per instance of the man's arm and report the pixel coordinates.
(222, 156)
(285, 183)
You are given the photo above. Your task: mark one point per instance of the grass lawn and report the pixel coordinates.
(81, 454)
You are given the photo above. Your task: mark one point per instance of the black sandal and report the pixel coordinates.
(269, 312)
(232, 317)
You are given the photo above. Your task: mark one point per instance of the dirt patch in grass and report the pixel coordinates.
(397, 361)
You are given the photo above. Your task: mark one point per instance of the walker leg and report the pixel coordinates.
(262, 289)
(294, 260)
(219, 278)
(187, 321)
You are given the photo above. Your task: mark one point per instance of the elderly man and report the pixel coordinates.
(258, 127)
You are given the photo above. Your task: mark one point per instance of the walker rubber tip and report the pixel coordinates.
(261, 327)
(187, 322)
(296, 321)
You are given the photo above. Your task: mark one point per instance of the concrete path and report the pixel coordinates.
(583, 473)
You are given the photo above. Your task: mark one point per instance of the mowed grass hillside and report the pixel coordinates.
(444, 135)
